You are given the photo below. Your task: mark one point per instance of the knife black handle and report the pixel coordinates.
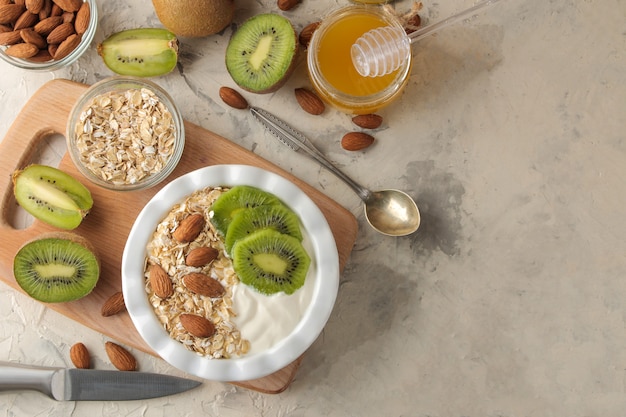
(22, 377)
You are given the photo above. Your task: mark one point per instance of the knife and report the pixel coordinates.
(90, 385)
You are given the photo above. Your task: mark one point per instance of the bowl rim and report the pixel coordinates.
(325, 260)
(101, 87)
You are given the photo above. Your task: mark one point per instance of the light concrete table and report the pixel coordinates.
(511, 298)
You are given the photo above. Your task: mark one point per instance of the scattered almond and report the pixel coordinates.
(356, 141)
(22, 50)
(201, 256)
(307, 33)
(233, 98)
(412, 24)
(60, 33)
(9, 13)
(160, 282)
(285, 5)
(368, 121)
(197, 325)
(121, 358)
(67, 46)
(113, 305)
(309, 101)
(203, 285)
(79, 355)
(189, 228)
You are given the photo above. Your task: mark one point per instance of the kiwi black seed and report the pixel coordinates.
(261, 54)
(143, 52)
(57, 267)
(271, 262)
(239, 197)
(276, 217)
(52, 196)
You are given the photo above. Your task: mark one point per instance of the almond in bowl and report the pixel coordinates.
(41, 37)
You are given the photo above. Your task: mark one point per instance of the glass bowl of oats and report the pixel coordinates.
(125, 133)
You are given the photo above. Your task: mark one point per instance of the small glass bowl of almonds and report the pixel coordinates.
(46, 35)
(125, 133)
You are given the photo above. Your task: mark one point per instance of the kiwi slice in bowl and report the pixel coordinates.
(262, 52)
(57, 267)
(271, 262)
(277, 217)
(240, 197)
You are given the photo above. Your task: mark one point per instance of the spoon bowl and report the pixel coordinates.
(390, 212)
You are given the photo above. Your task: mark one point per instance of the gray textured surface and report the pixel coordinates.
(509, 301)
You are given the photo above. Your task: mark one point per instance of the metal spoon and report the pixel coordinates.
(390, 212)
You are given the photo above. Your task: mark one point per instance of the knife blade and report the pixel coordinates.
(90, 385)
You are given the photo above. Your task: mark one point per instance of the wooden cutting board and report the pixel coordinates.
(112, 217)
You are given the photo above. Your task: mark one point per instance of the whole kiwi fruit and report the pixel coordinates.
(194, 18)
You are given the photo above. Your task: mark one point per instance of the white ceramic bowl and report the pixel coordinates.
(325, 267)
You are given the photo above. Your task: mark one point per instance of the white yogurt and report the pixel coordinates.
(265, 320)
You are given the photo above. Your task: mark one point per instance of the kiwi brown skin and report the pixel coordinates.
(51, 238)
(195, 18)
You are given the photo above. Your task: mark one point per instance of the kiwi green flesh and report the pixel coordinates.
(52, 196)
(239, 197)
(271, 262)
(277, 217)
(140, 52)
(261, 53)
(54, 270)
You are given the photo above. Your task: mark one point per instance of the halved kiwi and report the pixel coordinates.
(271, 262)
(277, 217)
(261, 54)
(52, 196)
(240, 197)
(142, 52)
(57, 267)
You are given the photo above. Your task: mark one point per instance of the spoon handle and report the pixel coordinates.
(296, 141)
